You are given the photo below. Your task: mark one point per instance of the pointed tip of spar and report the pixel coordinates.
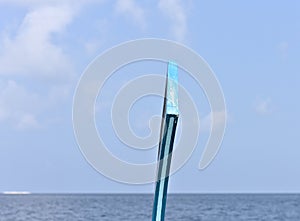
(172, 89)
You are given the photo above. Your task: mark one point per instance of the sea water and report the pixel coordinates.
(138, 207)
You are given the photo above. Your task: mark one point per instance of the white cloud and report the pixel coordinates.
(216, 119)
(22, 108)
(174, 10)
(17, 105)
(263, 106)
(36, 72)
(283, 49)
(92, 46)
(39, 3)
(28, 3)
(31, 51)
(27, 121)
(131, 9)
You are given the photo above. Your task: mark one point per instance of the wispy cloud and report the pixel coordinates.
(131, 9)
(175, 11)
(97, 40)
(216, 119)
(283, 49)
(263, 106)
(18, 106)
(28, 121)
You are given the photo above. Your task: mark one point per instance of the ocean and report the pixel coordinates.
(138, 207)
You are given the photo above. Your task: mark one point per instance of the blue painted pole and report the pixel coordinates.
(166, 142)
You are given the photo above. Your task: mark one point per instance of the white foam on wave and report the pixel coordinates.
(16, 192)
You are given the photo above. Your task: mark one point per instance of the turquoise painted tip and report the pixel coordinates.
(172, 89)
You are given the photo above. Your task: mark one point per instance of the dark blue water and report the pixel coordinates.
(138, 207)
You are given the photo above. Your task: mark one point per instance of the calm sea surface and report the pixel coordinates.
(138, 207)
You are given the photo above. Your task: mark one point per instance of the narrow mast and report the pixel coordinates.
(167, 135)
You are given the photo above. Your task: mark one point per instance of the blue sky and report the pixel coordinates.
(253, 48)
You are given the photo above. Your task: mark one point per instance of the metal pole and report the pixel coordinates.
(166, 142)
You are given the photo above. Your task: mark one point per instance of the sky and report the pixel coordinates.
(253, 48)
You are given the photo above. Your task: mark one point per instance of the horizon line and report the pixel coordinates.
(112, 193)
